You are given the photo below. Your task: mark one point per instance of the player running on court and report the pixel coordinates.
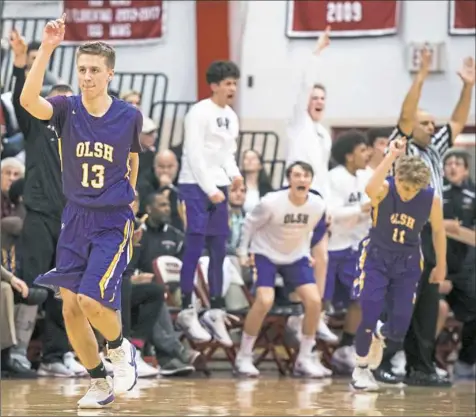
(99, 148)
(391, 261)
(277, 235)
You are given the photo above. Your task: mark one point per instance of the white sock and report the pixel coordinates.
(247, 344)
(307, 343)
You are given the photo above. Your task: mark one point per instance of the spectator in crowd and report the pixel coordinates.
(148, 138)
(50, 79)
(236, 213)
(11, 169)
(10, 367)
(163, 177)
(431, 145)
(44, 202)
(377, 140)
(256, 180)
(159, 238)
(133, 97)
(459, 196)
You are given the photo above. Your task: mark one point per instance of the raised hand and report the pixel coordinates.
(398, 147)
(468, 72)
(324, 40)
(17, 43)
(425, 61)
(53, 34)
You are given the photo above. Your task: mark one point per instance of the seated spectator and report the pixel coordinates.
(164, 176)
(256, 180)
(11, 368)
(11, 170)
(159, 238)
(236, 215)
(147, 138)
(133, 97)
(50, 79)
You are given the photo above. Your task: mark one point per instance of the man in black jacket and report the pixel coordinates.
(459, 198)
(44, 202)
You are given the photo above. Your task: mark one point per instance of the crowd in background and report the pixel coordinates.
(146, 318)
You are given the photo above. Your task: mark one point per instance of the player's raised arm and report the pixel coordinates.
(439, 240)
(410, 104)
(376, 187)
(461, 112)
(194, 144)
(309, 76)
(30, 98)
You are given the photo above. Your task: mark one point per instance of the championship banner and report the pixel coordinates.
(119, 22)
(348, 19)
(462, 17)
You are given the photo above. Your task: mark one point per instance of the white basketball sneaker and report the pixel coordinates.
(100, 394)
(324, 333)
(307, 367)
(124, 365)
(214, 321)
(244, 365)
(188, 321)
(363, 380)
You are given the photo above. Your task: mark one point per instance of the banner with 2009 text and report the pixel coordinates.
(114, 21)
(462, 17)
(348, 19)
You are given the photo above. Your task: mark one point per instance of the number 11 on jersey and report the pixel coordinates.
(398, 236)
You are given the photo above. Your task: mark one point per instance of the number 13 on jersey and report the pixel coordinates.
(93, 176)
(398, 236)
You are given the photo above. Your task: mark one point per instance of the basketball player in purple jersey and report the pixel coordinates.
(208, 167)
(99, 155)
(391, 261)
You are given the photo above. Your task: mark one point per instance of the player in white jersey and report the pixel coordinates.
(309, 141)
(350, 208)
(277, 239)
(208, 167)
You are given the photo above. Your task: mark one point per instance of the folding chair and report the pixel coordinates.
(272, 333)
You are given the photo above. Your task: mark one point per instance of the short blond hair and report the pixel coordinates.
(413, 170)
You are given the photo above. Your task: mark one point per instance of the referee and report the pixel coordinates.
(430, 144)
(44, 202)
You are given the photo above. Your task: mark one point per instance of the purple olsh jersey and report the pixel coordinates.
(396, 223)
(95, 151)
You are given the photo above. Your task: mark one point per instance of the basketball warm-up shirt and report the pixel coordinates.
(209, 146)
(282, 231)
(94, 151)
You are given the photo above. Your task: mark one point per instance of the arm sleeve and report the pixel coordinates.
(307, 81)
(319, 231)
(193, 146)
(230, 166)
(442, 139)
(254, 220)
(136, 146)
(60, 112)
(23, 117)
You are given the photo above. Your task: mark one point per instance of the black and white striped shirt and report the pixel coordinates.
(432, 154)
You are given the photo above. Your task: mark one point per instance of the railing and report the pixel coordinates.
(170, 115)
(152, 86)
